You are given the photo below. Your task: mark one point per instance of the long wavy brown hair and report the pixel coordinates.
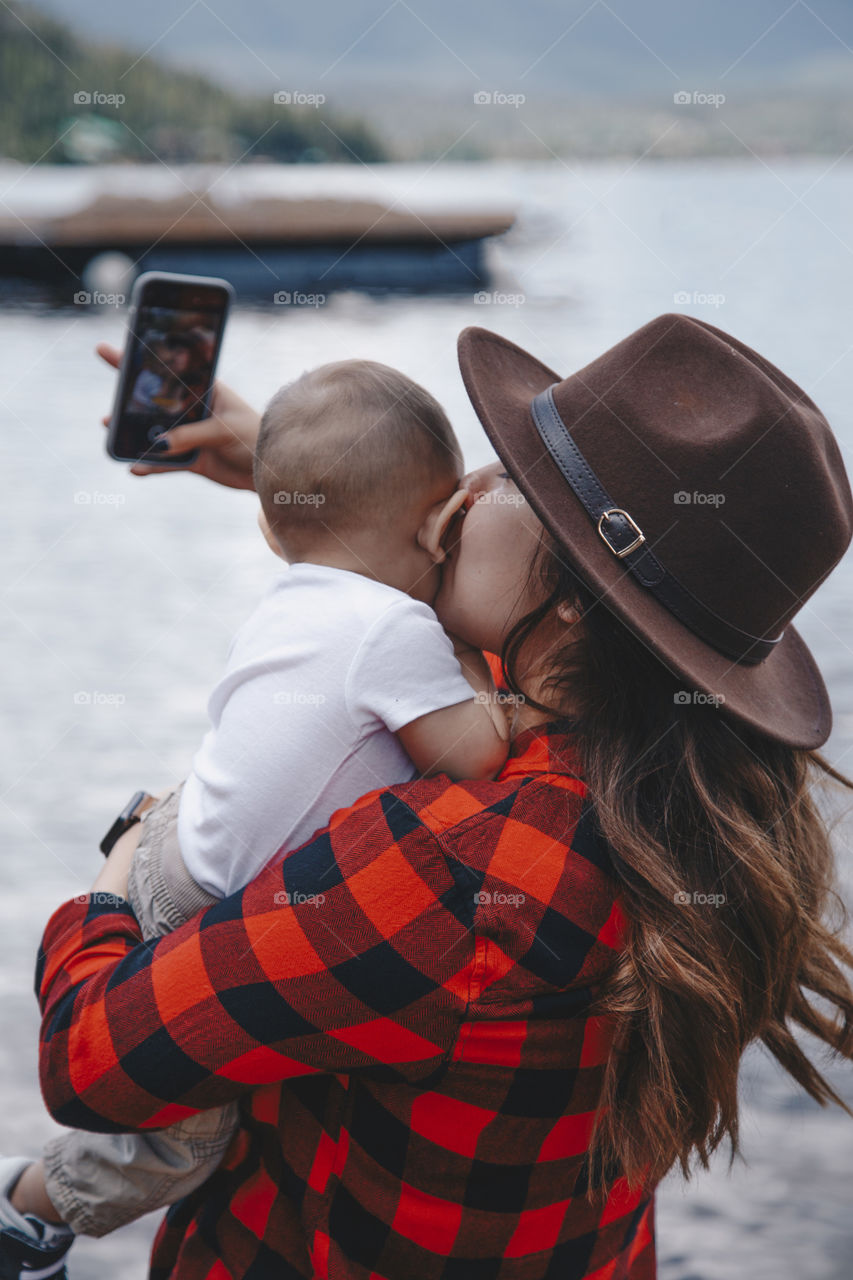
(726, 871)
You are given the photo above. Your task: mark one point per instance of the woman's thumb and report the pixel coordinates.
(111, 354)
(191, 435)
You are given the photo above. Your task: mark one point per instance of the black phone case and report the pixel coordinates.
(183, 460)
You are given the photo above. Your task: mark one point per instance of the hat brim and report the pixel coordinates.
(783, 697)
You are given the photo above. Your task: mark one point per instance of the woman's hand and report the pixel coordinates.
(226, 439)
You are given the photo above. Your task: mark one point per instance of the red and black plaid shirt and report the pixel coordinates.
(401, 1008)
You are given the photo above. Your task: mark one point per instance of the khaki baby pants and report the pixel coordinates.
(101, 1181)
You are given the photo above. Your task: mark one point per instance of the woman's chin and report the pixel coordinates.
(445, 604)
(443, 614)
(456, 614)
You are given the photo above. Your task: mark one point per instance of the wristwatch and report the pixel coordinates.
(129, 815)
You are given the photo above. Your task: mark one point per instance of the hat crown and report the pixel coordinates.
(727, 466)
(699, 493)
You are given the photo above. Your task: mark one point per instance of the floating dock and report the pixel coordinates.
(264, 246)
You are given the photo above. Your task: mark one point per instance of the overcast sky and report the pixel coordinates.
(614, 47)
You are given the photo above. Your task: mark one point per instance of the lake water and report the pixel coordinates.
(120, 595)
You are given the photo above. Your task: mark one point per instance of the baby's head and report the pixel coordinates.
(350, 459)
(175, 352)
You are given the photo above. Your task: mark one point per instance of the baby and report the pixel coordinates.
(341, 681)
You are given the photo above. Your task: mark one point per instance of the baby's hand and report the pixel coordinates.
(461, 646)
(114, 874)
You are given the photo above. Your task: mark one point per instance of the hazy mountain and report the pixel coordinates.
(66, 98)
(547, 47)
(597, 77)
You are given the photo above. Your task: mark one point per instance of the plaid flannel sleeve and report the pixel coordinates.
(326, 962)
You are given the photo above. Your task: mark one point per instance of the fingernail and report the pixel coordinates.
(159, 446)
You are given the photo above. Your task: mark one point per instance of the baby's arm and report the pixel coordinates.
(467, 740)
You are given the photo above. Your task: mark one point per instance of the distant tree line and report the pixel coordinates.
(60, 100)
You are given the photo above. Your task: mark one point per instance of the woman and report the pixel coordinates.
(524, 1000)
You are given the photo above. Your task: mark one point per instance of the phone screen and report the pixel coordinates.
(169, 366)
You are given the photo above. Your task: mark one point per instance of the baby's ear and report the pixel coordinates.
(435, 526)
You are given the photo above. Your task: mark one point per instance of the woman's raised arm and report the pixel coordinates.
(226, 439)
(351, 954)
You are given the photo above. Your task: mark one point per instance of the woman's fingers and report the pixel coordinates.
(225, 440)
(111, 354)
(206, 434)
(142, 469)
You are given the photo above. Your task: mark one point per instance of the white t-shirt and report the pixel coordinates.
(317, 681)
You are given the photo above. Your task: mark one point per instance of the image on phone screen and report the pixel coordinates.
(170, 369)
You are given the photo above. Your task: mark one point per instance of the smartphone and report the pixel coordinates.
(175, 332)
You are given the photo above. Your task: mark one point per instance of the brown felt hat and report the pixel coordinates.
(696, 489)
